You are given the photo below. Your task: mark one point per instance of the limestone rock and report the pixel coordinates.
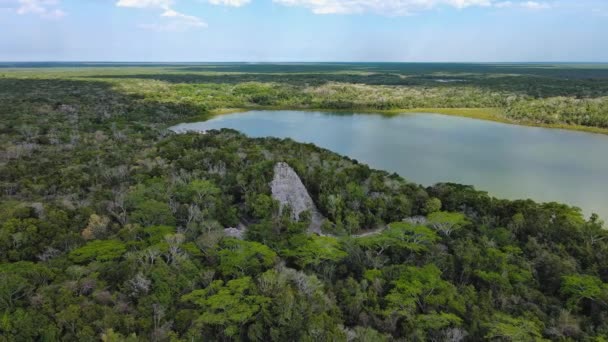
(238, 232)
(288, 189)
(233, 232)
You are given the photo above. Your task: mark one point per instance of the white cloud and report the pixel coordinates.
(172, 26)
(385, 7)
(531, 5)
(399, 7)
(231, 3)
(182, 21)
(504, 4)
(463, 3)
(44, 8)
(171, 20)
(535, 5)
(163, 4)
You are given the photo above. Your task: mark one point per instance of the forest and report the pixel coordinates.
(572, 96)
(112, 226)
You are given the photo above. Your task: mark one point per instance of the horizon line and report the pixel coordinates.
(295, 62)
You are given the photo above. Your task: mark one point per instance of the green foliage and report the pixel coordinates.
(422, 289)
(508, 328)
(227, 306)
(156, 234)
(202, 190)
(111, 336)
(434, 325)
(436, 321)
(446, 222)
(263, 206)
(314, 250)
(240, 258)
(578, 287)
(432, 205)
(496, 268)
(100, 250)
(364, 334)
(18, 280)
(152, 212)
(401, 236)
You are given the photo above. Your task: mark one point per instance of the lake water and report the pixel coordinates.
(508, 161)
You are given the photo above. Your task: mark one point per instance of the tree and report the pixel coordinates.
(12, 289)
(109, 335)
(422, 289)
(96, 228)
(156, 234)
(100, 250)
(401, 236)
(152, 212)
(263, 206)
(299, 309)
(436, 325)
(227, 307)
(203, 192)
(117, 207)
(578, 287)
(70, 318)
(365, 334)
(313, 250)
(516, 329)
(432, 205)
(174, 252)
(18, 281)
(240, 258)
(446, 222)
(19, 238)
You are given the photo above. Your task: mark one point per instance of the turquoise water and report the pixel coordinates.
(508, 161)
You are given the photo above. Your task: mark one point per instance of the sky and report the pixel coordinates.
(304, 30)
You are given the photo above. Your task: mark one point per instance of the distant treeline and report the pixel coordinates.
(551, 94)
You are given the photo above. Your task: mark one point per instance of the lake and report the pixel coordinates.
(508, 161)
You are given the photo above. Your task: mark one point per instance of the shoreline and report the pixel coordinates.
(487, 114)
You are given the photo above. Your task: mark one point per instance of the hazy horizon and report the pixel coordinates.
(290, 62)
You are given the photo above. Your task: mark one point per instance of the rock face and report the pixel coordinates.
(287, 188)
(238, 232)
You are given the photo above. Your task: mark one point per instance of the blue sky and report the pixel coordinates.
(304, 30)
